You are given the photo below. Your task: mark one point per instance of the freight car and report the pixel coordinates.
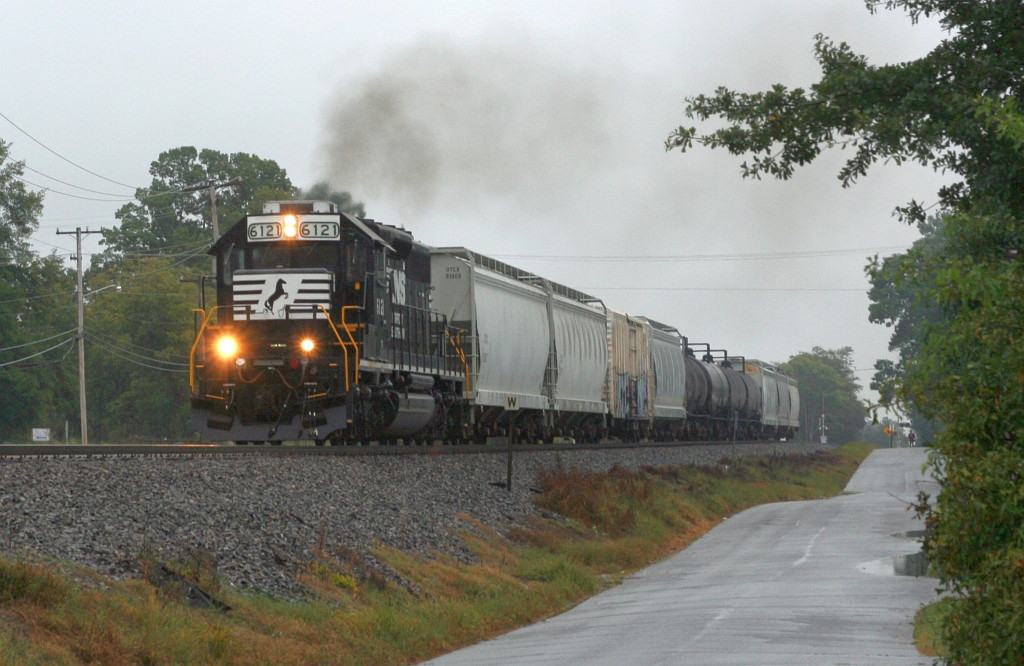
(337, 329)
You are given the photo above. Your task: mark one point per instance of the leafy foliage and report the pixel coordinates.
(827, 383)
(923, 110)
(954, 300)
(175, 214)
(33, 314)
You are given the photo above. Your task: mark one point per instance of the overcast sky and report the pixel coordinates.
(529, 131)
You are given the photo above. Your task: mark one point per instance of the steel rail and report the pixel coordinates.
(188, 450)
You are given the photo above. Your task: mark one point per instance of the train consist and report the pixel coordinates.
(336, 329)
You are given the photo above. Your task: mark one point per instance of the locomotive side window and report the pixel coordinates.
(234, 259)
(355, 260)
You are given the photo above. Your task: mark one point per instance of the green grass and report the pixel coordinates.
(611, 525)
(928, 628)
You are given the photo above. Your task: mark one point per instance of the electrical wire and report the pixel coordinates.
(36, 342)
(77, 187)
(802, 254)
(32, 298)
(93, 335)
(759, 289)
(56, 346)
(124, 199)
(124, 355)
(77, 166)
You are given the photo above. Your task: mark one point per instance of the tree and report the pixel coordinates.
(139, 338)
(902, 298)
(925, 110)
(828, 385)
(955, 109)
(34, 326)
(19, 208)
(174, 213)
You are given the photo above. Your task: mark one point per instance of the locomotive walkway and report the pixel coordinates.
(792, 583)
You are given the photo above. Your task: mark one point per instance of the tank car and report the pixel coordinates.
(322, 331)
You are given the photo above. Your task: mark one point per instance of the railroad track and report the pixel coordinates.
(188, 450)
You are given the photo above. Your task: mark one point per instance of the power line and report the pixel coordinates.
(74, 196)
(56, 346)
(37, 296)
(793, 254)
(119, 353)
(860, 289)
(106, 339)
(36, 342)
(77, 166)
(77, 187)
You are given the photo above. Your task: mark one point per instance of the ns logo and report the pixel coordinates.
(274, 303)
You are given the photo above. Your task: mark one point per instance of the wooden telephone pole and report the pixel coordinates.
(81, 330)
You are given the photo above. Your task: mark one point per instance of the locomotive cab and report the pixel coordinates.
(322, 330)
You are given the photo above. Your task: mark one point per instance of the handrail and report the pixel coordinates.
(195, 345)
(355, 345)
(457, 344)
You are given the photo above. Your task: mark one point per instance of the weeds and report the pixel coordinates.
(598, 529)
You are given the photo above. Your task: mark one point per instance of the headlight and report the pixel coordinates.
(227, 346)
(290, 226)
(307, 345)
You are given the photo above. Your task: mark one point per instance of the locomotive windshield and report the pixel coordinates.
(270, 256)
(294, 255)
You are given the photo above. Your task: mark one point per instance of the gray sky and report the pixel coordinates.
(530, 131)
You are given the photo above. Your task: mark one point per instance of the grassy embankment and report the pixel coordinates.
(616, 523)
(928, 629)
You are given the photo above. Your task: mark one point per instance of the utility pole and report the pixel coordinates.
(81, 331)
(213, 187)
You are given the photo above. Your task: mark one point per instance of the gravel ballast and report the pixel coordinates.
(260, 520)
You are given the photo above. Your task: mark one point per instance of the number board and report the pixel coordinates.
(309, 227)
(326, 230)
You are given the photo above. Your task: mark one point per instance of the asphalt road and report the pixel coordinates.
(791, 583)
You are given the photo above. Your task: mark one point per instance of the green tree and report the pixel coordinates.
(828, 386)
(902, 299)
(139, 339)
(955, 109)
(925, 110)
(174, 215)
(35, 326)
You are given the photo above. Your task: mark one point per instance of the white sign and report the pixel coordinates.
(40, 434)
(512, 403)
(260, 228)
